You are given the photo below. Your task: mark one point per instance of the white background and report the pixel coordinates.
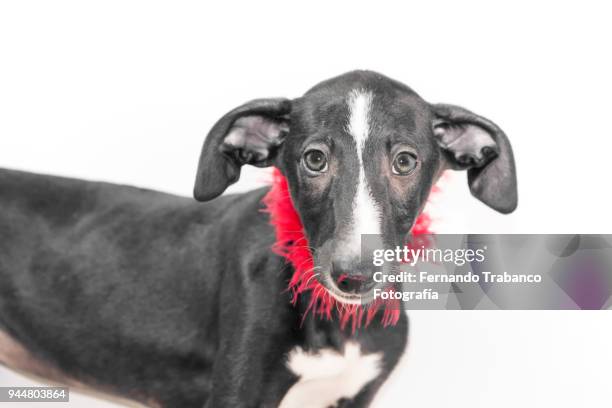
(125, 92)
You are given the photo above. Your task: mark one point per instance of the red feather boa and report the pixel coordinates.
(292, 244)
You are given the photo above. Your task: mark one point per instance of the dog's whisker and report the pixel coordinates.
(311, 278)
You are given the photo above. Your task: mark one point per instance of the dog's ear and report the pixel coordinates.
(249, 134)
(474, 143)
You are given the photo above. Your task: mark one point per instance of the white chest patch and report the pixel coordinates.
(328, 375)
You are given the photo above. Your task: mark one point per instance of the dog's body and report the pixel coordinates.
(181, 302)
(176, 304)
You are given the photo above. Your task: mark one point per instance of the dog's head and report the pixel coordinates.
(361, 153)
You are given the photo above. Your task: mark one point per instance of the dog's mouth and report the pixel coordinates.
(348, 298)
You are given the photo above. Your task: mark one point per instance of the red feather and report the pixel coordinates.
(292, 244)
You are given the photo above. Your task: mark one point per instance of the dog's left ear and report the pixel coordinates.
(475, 143)
(249, 134)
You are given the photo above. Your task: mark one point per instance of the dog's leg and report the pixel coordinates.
(249, 384)
(249, 369)
(365, 396)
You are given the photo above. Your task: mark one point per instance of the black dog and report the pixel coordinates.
(161, 300)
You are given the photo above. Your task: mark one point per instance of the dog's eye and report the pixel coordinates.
(404, 163)
(315, 160)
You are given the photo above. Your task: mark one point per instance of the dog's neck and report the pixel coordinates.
(292, 244)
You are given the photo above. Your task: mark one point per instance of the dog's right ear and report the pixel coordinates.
(476, 144)
(249, 134)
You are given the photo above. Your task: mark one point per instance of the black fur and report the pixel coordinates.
(119, 288)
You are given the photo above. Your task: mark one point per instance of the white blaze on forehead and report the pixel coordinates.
(366, 216)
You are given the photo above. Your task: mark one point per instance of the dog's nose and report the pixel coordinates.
(352, 277)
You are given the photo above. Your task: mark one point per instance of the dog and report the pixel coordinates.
(168, 302)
